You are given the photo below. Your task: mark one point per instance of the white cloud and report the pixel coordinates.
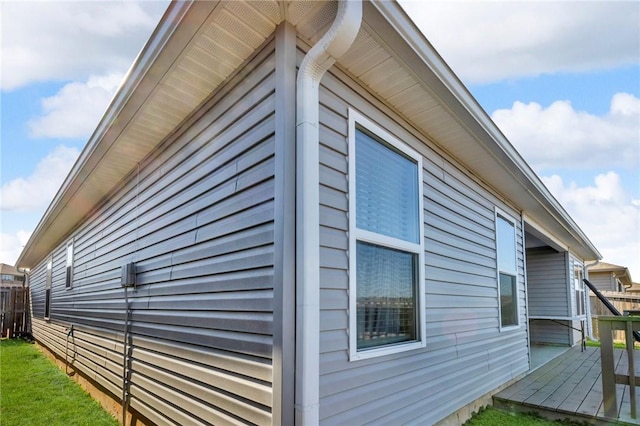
(11, 245)
(37, 191)
(485, 41)
(76, 109)
(607, 214)
(55, 40)
(560, 137)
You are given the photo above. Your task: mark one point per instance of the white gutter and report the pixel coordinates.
(318, 60)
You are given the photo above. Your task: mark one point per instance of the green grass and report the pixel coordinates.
(617, 345)
(490, 416)
(33, 391)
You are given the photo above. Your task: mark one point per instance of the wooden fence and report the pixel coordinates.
(14, 311)
(622, 302)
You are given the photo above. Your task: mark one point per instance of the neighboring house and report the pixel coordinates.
(635, 288)
(615, 283)
(361, 245)
(11, 277)
(610, 277)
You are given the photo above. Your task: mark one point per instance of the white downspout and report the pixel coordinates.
(318, 60)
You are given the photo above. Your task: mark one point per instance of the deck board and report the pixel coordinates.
(572, 391)
(570, 386)
(585, 385)
(524, 388)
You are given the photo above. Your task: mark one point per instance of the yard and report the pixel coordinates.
(494, 417)
(33, 391)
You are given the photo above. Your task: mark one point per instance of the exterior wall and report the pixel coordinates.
(198, 220)
(548, 295)
(466, 354)
(603, 281)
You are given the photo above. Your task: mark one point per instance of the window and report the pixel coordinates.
(47, 290)
(579, 289)
(385, 242)
(507, 270)
(8, 277)
(69, 274)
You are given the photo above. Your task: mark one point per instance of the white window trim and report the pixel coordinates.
(358, 120)
(580, 267)
(509, 218)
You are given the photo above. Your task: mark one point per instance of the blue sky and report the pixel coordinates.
(560, 79)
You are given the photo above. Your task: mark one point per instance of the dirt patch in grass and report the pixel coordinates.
(33, 391)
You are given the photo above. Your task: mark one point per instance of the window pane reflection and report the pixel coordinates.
(386, 299)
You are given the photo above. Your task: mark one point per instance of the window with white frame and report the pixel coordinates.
(47, 289)
(507, 270)
(386, 242)
(578, 285)
(69, 271)
(619, 286)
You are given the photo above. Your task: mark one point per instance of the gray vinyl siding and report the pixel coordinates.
(547, 283)
(547, 274)
(603, 281)
(37, 279)
(198, 220)
(466, 354)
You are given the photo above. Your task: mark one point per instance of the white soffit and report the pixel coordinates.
(195, 48)
(212, 40)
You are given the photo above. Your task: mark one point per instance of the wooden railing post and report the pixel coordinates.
(606, 326)
(608, 369)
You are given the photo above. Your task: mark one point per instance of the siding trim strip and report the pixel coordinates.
(284, 238)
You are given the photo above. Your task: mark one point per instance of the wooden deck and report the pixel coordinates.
(570, 387)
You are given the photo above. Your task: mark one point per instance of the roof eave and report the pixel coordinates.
(494, 141)
(101, 139)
